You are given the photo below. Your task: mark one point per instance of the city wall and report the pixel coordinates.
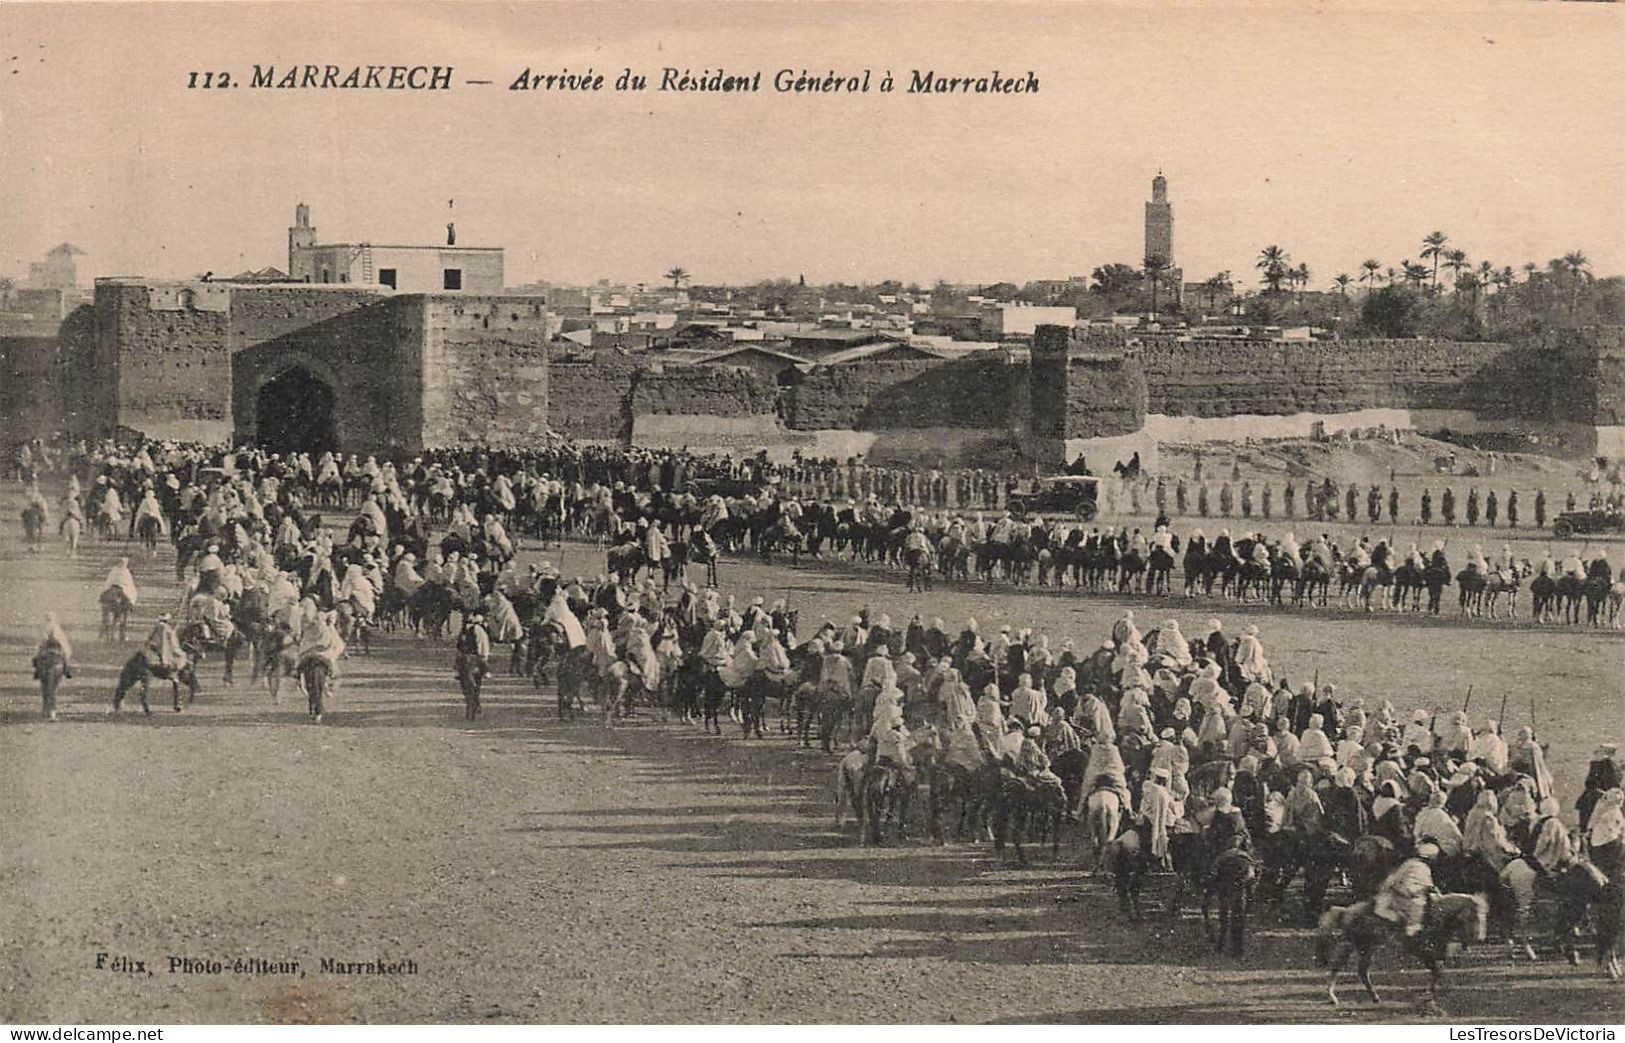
(480, 374)
(979, 391)
(31, 387)
(424, 370)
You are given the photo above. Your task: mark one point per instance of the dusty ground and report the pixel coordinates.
(544, 872)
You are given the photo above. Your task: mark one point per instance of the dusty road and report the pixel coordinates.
(534, 871)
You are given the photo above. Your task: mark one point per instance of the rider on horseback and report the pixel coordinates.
(1404, 896)
(120, 578)
(163, 648)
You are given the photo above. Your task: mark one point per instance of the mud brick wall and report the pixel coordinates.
(89, 394)
(703, 391)
(264, 314)
(31, 388)
(978, 391)
(172, 367)
(485, 371)
(1082, 393)
(591, 399)
(1586, 375)
(1220, 377)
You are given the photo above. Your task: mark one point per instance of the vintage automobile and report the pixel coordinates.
(722, 485)
(1069, 493)
(1573, 523)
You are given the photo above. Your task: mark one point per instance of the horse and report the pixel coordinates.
(354, 625)
(918, 562)
(1409, 582)
(116, 610)
(139, 671)
(70, 530)
(1027, 806)
(33, 517)
(1372, 578)
(1230, 880)
(50, 668)
(1581, 887)
(849, 788)
(147, 530)
(1102, 817)
(1130, 860)
(1321, 856)
(1357, 930)
(316, 678)
(1597, 591)
(1316, 577)
(430, 607)
(1159, 572)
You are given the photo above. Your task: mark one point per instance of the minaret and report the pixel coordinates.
(300, 237)
(1159, 221)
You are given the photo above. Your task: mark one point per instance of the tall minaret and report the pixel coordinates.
(300, 237)
(1159, 221)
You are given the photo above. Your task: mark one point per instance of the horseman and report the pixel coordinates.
(212, 614)
(1250, 661)
(359, 591)
(120, 578)
(473, 662)
(1600, 571)
(1105, 771)
(1291, 552)
(162, 650)
(1403, 898)
(54, 646)
(559, 616)
(1381, 560)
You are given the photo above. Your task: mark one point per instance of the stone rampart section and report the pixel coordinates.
(590, 399)
(484, 371)
(31, 388)
(703, 391)
(977, 391)
(1213, 377)
(171, 364)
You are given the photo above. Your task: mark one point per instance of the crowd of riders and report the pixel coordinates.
(1202, 746)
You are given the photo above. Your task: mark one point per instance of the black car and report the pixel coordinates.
(1571, 523)
(1067, 493)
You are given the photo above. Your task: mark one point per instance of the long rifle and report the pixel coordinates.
(1500, 722)
(1469, 700)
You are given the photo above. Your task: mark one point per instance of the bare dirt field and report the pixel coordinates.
(537, 871)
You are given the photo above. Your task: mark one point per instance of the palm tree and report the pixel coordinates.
(1529, 270)
(1341, 280)
(1433, 247)
(678, 277)
(1370, 272)
(1155, 266)
(1300, 276)
(1391, 275)
(1578, 265)
(1272, 261)
(1215, 286)
(1415, 274)
(1456, 261)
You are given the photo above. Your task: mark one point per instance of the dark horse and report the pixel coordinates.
(1357, 929)
(1230, 880)
(139, 672)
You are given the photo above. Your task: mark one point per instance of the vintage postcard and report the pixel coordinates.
(808, 513)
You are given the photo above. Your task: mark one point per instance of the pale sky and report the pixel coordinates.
(1337, 131)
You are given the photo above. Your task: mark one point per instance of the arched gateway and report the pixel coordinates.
(294, 412)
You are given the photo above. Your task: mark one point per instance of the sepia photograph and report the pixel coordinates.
(812, 513)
